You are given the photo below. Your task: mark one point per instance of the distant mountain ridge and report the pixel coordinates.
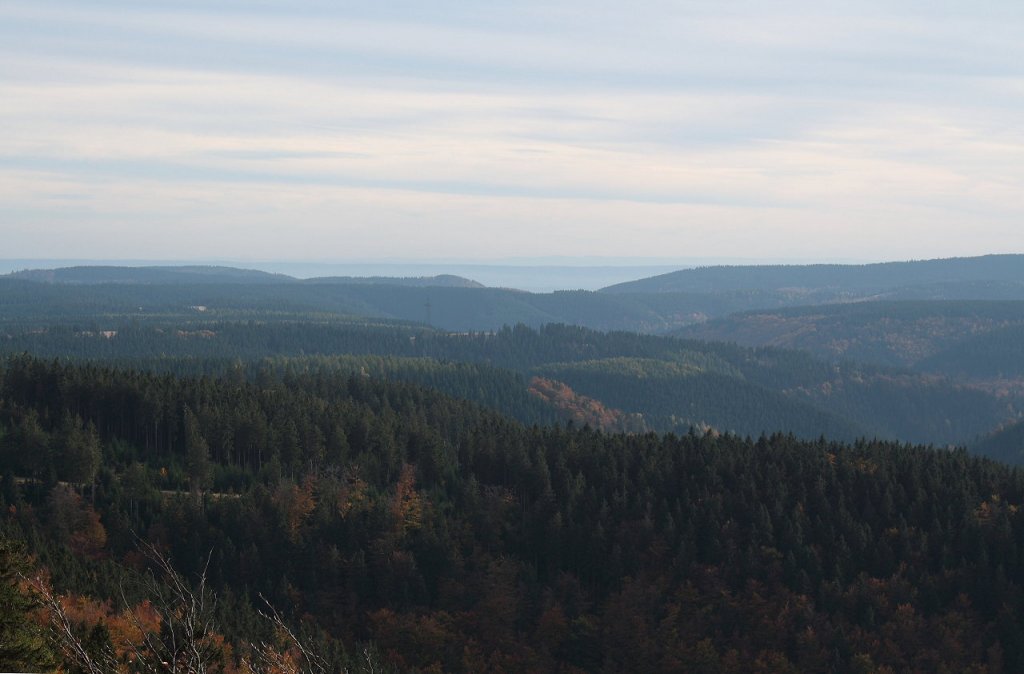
(457, 303)
(87, 275)
(439, 281)
(854, 279)
(210, 274)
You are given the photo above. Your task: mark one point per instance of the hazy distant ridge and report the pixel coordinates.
(149, 275)
(881, 276)
(203, 274)
(439, 281)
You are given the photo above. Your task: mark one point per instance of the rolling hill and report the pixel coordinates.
(89, 275)
(923, 334)
(672, 383)
(656, 305)
(1002, 272)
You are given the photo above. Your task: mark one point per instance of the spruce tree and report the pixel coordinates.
(22, 643)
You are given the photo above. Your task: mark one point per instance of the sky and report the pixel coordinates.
(472, 130)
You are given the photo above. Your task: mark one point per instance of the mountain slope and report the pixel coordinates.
(667, 302)
(855, 280)
(201, 274)
(901, 334)
(86, 275)
(1005, 444)
(439, 281)
(458, 305)
(390, 523)
(996, 353)
(673, 383)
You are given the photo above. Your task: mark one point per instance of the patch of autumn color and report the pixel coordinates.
(552, 628)
(866, 466)
(984, 512)
(84, 532)
(987, 510)
(127, 628)
(90, 538)
(407, 504)
(144, 617)
(353, 496)
(297, 503)
(414, 640)
(223, 658)
(579, 408)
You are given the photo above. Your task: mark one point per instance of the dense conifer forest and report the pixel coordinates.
(672, 383)
(449, 538)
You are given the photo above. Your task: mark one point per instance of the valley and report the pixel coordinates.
(468, 493)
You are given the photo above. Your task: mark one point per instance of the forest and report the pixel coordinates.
(406, 529)
(655, 305)
(671, 383)
(964, 338)
(226, 471)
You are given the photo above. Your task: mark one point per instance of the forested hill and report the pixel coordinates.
(1005, 444)
(997, 354)
(667, 384)
(451, 304)
(671, 383)
(1004, 273)
(658, 305)
(438, 281)
(398, 530)
(906, 334)
(148, 275)
(200, 274)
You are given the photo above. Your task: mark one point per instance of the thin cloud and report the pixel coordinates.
(563, 128)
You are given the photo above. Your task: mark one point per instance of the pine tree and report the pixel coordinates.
(22, 644)
(197, 455)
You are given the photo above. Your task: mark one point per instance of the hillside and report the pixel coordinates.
(657, 306)
(456, 305)
(996, 354)
(201, 274)
(673, 384)
(670, 398)
(905, 334)
(87, 275)
(976, 343)
(397, 530)
(943, 276)
(192, 328)
(416, 499)
(439, 281)
(1005, 444)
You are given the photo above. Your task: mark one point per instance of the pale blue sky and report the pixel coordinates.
(475, 130)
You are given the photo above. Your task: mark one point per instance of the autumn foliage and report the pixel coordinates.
(580, 408)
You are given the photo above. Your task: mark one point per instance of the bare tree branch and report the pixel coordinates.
(183, 643)
(66, 637)
(314, 663)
